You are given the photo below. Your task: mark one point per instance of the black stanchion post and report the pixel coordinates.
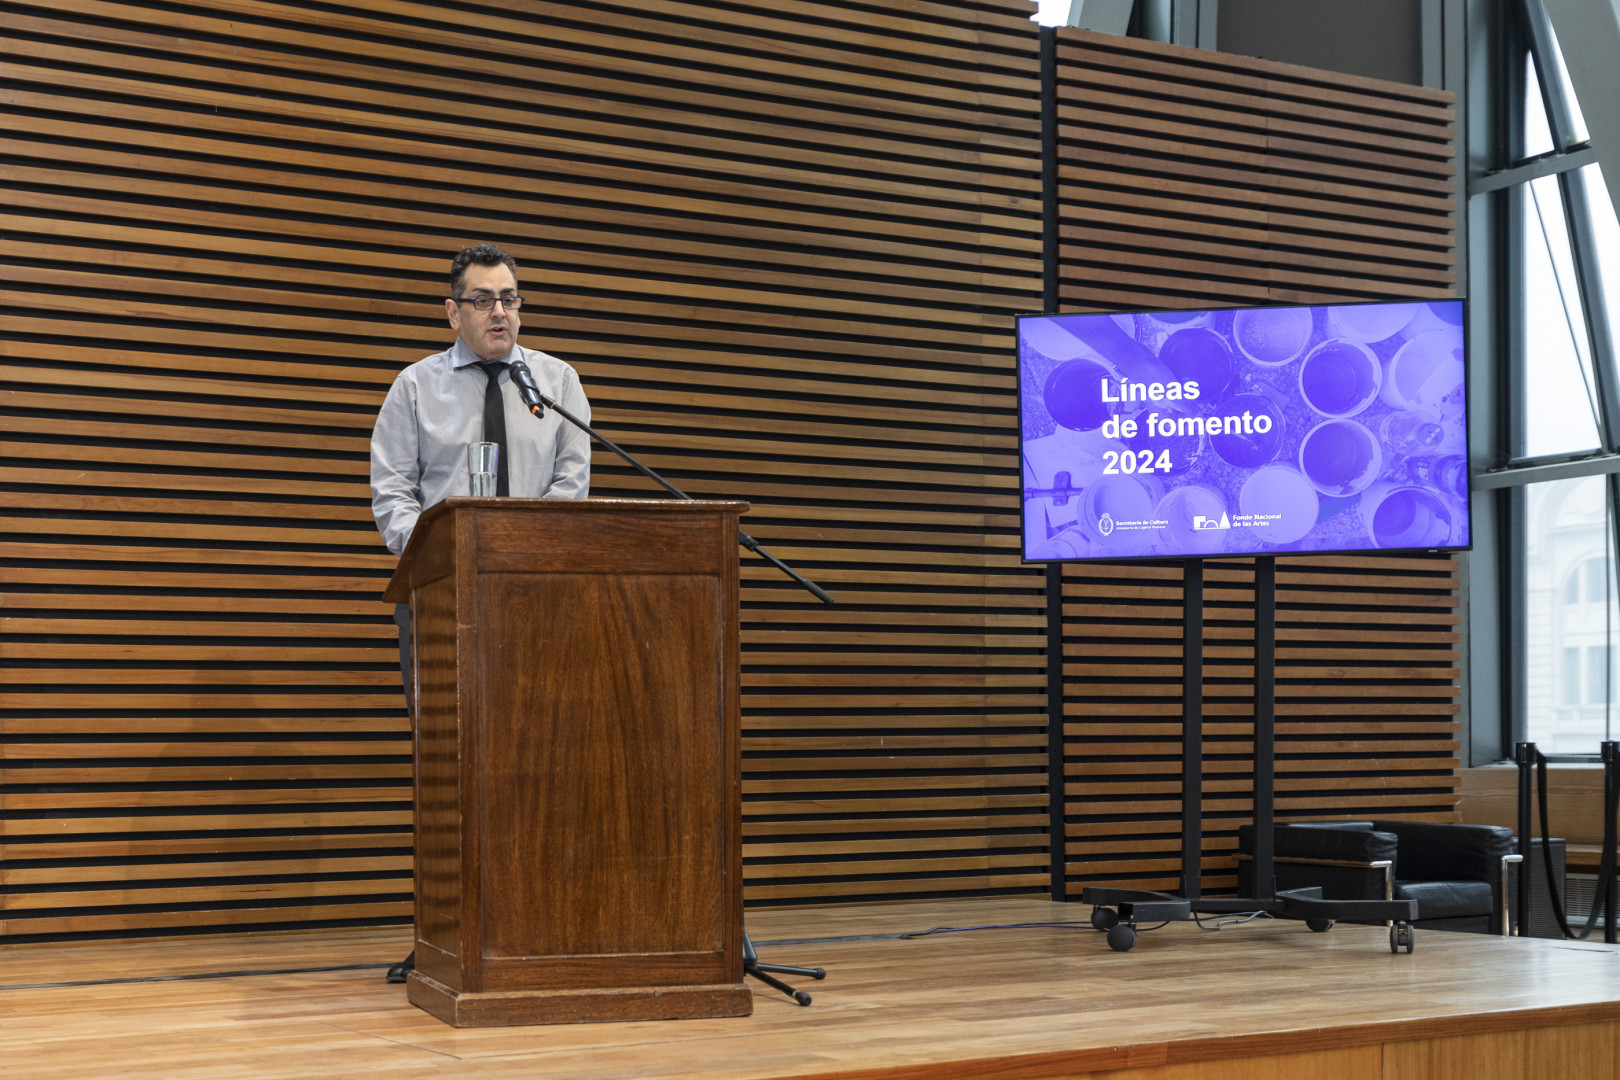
(1524, 755)
(1606, 864)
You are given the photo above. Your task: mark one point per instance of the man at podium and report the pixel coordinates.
(439, 406)
(442, 404)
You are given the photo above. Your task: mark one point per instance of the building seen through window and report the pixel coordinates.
(1571, 616)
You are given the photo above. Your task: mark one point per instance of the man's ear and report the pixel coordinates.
(452, 311)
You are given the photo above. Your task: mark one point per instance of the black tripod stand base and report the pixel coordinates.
(402, 970)
(752, 966)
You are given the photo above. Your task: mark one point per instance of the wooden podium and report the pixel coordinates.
(578, 761)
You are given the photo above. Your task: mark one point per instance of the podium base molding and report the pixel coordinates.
(595, 1005)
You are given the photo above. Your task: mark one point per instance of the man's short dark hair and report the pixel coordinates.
(481, 255)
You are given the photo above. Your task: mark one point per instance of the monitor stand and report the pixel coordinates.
(1119, 911)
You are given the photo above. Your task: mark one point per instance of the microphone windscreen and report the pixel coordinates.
(523, 379)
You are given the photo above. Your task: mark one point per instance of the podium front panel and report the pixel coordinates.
(605, 771)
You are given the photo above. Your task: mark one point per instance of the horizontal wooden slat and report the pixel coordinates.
(116, 820)
(392, 871)
(130, 750)
(173, 849)
(199, 920)
(832, 891)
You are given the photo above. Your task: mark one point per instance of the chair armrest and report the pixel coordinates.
(1358, 864)
(1386, 865)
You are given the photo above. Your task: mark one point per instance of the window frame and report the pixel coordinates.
(1505, 34)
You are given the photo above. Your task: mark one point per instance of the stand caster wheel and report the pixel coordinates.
(1121, 938)
(1104, 918)
(1401, 935)
(1320, 926)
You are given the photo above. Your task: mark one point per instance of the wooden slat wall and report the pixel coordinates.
(782, 241)
(1193, 179)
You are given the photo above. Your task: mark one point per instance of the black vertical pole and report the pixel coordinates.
(1524, 756)
(1265, 723)
(1606, 864)
(1192, 730)
(1049, 171)
(1056, 781)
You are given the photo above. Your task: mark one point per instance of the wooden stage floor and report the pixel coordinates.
(1247, 1002)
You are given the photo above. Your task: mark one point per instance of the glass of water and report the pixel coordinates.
(483, 461)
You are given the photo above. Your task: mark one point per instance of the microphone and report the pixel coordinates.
(523, 379)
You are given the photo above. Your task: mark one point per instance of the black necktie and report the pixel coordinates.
(495, 424)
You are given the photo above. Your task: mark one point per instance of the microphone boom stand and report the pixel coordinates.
(537, 403)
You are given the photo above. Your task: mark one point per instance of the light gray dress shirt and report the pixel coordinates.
(435, 409)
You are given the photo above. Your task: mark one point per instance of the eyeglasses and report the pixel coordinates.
(487, 303)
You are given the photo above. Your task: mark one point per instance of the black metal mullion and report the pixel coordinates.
(1507, 93)
(1512, 538)
(1511, 49)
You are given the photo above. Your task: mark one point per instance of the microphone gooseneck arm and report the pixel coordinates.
(527, 389)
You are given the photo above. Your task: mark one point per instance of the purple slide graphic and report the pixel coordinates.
(1249, 431)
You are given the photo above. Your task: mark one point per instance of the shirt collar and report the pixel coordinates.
(461, 356)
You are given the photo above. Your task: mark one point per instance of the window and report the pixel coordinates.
(1555, 380)
(1556, 279)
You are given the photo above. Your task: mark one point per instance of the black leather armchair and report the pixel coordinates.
(1456, 873)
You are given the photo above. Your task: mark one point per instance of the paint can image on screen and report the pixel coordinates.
(1256, 431)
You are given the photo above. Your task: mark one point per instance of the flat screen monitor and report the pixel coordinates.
(1248, 431)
